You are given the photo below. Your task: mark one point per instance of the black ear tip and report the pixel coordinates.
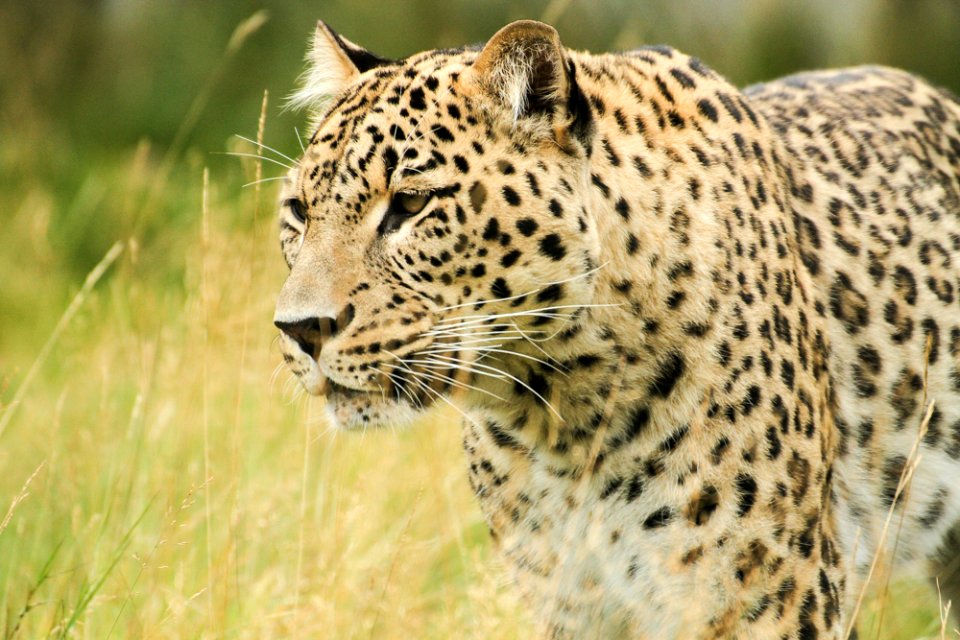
(326, 28)
(363, 59)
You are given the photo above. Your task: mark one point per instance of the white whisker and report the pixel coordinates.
(439, 366)
(251, 155)
(299, 140)
(281, 366)
(541, 287)
(469, 339)
(397, 383)
(579, 276)
(538, 312)
(508, 335)
(262, 180)
(440, 396)
(494, 350)
(490, 329)
(271, 149)
(500, 372)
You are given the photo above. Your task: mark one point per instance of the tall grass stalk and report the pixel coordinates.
(20, 497)
(913, 460)
(237, 440)
(304, 475)
(205, 364)
(88, 284)
(243, 31)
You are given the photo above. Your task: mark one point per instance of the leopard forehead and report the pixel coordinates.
(414, 125)
(388, 120)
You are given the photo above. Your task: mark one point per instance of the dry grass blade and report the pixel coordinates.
(944, 611)
(88, 592)
(20, 497)
(28, 602)
(171, 521)
(247, 284)
(393, 562)
(246, 29)
(554, 11)
(604, 425)
(906, 475)
(888, 574)
(205, 305)
(91, 281)
(574, 538)
(304, 477)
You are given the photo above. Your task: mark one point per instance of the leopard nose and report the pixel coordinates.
(311, 332)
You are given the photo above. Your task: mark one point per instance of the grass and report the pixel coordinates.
(161, 477)
(164, 485)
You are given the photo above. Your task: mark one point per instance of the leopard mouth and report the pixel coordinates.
(395, 399)
(350, 409)
(335, 390)
(391, 391)
(318, 384)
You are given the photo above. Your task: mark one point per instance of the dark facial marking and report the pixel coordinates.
(552, 247)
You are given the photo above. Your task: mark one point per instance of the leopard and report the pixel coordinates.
(703, 342)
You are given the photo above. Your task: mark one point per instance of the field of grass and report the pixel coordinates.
(162, 477)
(168, 481)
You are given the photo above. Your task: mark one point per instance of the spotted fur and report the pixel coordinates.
(692, 331)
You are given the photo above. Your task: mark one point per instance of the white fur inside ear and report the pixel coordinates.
(329, 71)
(513, 80)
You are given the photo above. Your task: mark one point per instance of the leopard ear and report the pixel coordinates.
(333, 63)
(524, 67)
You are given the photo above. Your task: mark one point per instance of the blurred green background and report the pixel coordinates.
(161, 485)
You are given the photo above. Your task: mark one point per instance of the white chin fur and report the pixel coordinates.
(368, 412)
(314, 381)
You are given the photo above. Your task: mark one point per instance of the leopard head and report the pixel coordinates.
(434, 224)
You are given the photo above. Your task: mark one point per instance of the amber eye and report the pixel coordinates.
(403, 205)
(297, 208)
(411, 203)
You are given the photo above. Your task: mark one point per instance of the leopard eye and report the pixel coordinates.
(411, 203)
(297, 208)
(403, 205)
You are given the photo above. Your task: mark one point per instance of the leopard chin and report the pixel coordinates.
(349, 410)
